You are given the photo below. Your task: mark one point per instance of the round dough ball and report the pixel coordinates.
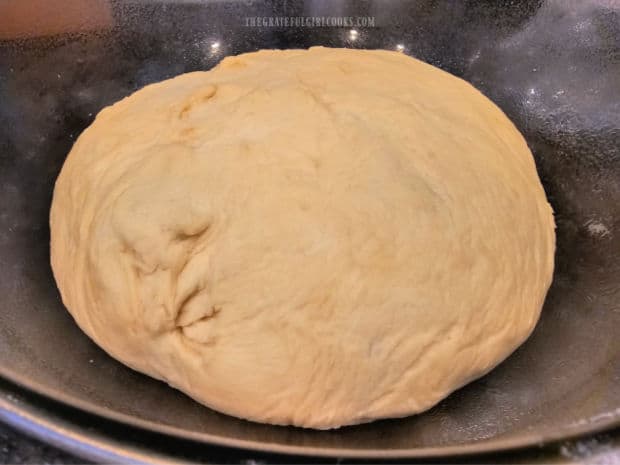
(312, 237)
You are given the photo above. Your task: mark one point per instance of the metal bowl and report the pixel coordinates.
(552, 66)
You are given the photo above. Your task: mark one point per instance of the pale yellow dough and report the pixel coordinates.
(312, 237)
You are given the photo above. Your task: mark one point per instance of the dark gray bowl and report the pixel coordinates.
(554, 68)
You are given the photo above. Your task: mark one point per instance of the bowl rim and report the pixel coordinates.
(602, 423)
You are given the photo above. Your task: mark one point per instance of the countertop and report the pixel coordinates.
(17, 448)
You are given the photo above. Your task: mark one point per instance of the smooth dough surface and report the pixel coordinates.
(312, 237)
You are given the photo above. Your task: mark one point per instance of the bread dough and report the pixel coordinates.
(312, 237)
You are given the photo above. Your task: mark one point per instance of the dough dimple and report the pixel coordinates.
(312, 237)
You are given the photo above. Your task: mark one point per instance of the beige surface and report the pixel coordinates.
(38, 18)
(316, 238)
